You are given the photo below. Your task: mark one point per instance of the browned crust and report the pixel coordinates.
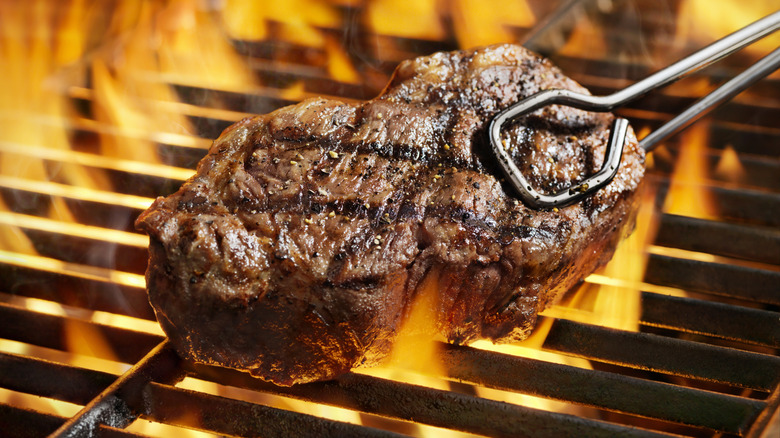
(279, 259)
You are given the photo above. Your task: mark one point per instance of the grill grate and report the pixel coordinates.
(604, 390)
(704, 362)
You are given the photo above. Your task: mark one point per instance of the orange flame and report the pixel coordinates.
(415, 19)
(699, 22)
(41, 62)
(729, 167)
(294, 21)
(415, 348)
(479, 23)
(587, 39)
(688, 196)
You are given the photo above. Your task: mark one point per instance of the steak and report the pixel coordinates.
(304, 239)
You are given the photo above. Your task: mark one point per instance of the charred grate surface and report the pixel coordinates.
(703, 363)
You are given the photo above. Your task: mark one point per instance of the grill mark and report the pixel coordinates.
(431, 157)
(401, 209)
(408, 211)
(427, 156)
(309, 200)
(427, 160)
(341, 142)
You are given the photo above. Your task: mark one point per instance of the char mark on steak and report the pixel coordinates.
(303, 240)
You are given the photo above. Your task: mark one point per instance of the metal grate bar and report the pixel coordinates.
(755, 326)
(762, 143)
(24, 423)
(230, 100)
(734, 281)
(601, 389)
(364, 393)
(759, 426)
(49, 379)
(761, 208)
(234, 417)
(316, 81)
(394, 48)
(63, 288)
(757, 172)
(740, 241)
(286, 69)
(67, 248)
(666, 355)
(429, 406)
(114, 406)
(90, 210)
(49, 331)
(17, 186)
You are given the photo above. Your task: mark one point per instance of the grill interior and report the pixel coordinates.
(108, 107)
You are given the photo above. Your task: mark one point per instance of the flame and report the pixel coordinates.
(415, 348)
(31, 55)
(480, 23)
(620, 307)
(166, 44)
(415, 356)
(41, 63)
(729, 167)
(614, 303)
(611, 298)
(13, 237)
(193, 48)
(127, 79)
(295, 21)
(339, 65)
(699, 22)
(83, 338)
(414, 19)
(30, 101)
(295, 91)
(531, 348)
(116, 106)
(688, 196)
(587, 39)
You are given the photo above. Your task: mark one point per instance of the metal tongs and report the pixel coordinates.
(704, 57)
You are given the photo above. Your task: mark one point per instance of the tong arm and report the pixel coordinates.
(706, 56)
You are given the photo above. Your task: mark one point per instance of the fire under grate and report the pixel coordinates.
(704, 362)
(148, 389)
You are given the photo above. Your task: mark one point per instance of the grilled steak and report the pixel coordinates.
(302, 242)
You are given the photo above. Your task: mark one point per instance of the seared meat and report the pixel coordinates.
(300, 245)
